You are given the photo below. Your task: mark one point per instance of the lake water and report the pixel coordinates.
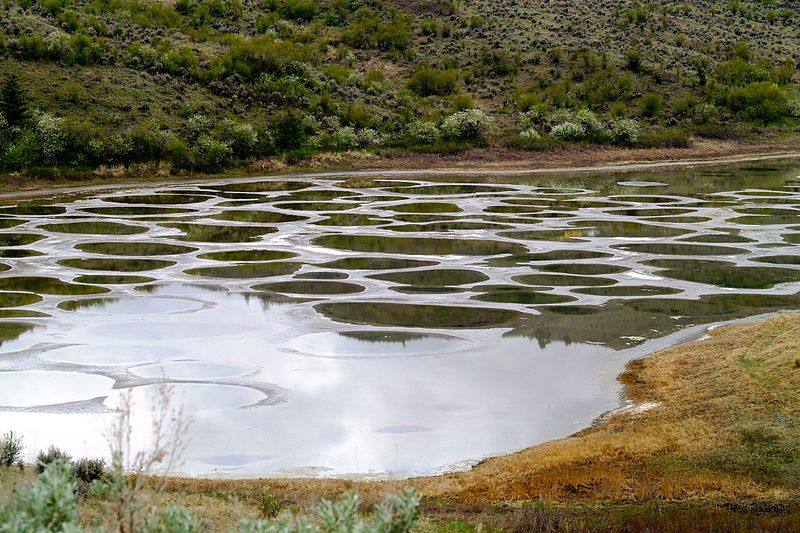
(373, 325)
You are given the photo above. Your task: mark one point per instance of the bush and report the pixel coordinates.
(48, 504)
(794, 107)
(10, 449)
(50, 137)
(344, 139)
(423, 132)
(651, 104)
(290, 129)
(172, 520)
(589, 121)
(241, 137)
(427, 81)
(568, 131)
(397, 514)
(625, 131)
(87, 471)
(14, 104)
(180, 61)
(763, 101)
(212, 154)
(665, 139)
(53, 454)
(370, 30)
(298, 9)
(469, 125)
(530, 135)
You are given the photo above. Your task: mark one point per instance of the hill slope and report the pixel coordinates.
(205, 84)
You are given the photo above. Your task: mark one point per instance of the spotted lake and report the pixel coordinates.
(368, 325)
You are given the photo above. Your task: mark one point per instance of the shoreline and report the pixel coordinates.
(388, 167)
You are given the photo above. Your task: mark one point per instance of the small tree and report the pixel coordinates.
(13, 102)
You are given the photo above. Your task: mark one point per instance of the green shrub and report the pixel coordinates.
(50, 137)
(427, 81)
(461, 102)
(651, 104)
(298, 9)
(762, 101)
(212, 154)
(469, 125)
(423, 132)
(289, 128)
(625, 131)
(240, 136)
(180, 61)
(10, 449)
(14, 104)
(172, 520)
(794, 107)
(371, 30)
(48, 504)
(530, 135)
(87, 471)
(53, 454)
(397, 514)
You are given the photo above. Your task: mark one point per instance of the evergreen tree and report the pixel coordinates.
(13, 103)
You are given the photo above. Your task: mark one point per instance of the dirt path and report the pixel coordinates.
(478, 168)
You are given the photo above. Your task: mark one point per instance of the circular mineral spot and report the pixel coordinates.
(19, 239)
(375, 344)
(724, 274)
(322, 275)
(190, 370)
(45, 285)
(424, 207)
(523, 296)
(95, 228)
(562, 280)
(101, 279)
(136, 211)
(437, 277)
(376, 263)
(189, 397)
(317, 206)
(418, 315)
(115, 265)
(15, 253)
(263, 186)
(583, 269)
(417, 246)
(110, 354)
(34, 210)
(127, 305)
(350, 219)
(247, 255)
(628, 290)
(258, 217)
(247, 270)
(18, 299)
(34, 388)
(134, 248)
(311, 287)
(158, 199)
(220, 233)
(666, 248)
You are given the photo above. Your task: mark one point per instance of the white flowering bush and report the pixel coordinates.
(213, 154)
(530, 135)
(532, 117)
(240, 136)
(568, 131)
(57, 44)
(369, 137)
(589, 121)
(794, 107)
(625, 131)
(468, 125)
(197, 125)
(50, 136)
(344, 138)
(424, 132)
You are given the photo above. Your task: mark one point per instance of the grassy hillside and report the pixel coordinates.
(206, 84)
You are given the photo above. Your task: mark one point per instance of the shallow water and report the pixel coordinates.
(369, 326)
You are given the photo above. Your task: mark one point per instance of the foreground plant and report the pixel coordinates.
(397, 514)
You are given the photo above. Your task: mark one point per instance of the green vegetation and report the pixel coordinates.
(209, 84)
